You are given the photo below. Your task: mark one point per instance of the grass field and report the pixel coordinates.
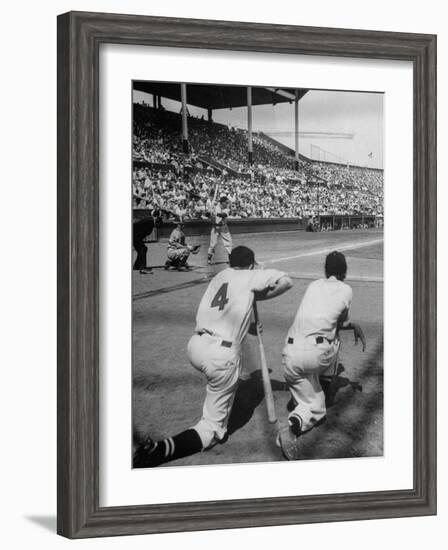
(168, 393)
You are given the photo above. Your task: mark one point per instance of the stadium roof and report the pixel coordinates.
(210, 96)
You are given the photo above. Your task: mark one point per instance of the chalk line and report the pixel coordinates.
(351, 246)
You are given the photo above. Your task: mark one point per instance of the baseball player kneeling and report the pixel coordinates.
(222, 322)
(178, 250)
(312, 343)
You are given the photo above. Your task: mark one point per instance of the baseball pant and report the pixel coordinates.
(178, 255)
(217, 232)
(303, 362)
(221, 366)
(141, 249)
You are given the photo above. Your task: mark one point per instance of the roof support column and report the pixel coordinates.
(249, 125)
(296, 130)
(210, 115)
(183, 93)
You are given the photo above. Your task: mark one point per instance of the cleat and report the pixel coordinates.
(295, 425)
(288, 442)
(143, 456)
(340, 369)
(167, 265)
(146, 271)
(291, 405)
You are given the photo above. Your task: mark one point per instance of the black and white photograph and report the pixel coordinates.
(257, 298)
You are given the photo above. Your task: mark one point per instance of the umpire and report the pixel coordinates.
(140, 230)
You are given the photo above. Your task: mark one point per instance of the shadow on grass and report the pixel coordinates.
(353, 411)
(248, 396)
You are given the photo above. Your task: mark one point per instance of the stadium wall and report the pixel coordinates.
(265, 225)
(252, 225)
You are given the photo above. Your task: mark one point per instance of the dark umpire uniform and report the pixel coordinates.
(141, 229)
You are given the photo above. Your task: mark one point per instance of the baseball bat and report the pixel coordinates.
(215, 194)
(270, 407)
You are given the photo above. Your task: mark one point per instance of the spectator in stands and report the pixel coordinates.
(269, 189)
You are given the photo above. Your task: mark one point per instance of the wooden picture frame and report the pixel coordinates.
(79, 38)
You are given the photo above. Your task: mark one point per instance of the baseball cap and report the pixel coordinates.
(224, 198)
(335, 264)
(242, 256)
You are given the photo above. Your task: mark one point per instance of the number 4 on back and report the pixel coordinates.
(220, 299)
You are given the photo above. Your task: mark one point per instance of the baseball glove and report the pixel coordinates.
(194, 249)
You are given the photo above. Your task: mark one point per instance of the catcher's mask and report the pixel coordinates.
(242, 257)
(336, 265)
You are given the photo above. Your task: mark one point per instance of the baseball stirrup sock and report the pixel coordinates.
(184, 444)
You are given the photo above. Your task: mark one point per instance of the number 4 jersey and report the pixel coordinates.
(226, 306)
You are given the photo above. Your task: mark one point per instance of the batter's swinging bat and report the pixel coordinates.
(215, 194)
(265, 372)
(212, 206)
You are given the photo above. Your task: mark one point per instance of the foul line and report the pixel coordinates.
(208, 276)
(322, 251)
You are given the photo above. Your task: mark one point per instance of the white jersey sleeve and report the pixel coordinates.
(347, 300)
(348, 296)
(221, 221)
(266, 278)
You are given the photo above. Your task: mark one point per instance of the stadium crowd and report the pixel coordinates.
(166, 179)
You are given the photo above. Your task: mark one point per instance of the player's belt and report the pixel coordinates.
(224, 343)
(319, 340)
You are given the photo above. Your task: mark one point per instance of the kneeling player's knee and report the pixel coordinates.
(207, 434)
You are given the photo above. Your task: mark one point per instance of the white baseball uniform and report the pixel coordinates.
(220, 229)
(312, 346)
(222, 322)
(177, 249)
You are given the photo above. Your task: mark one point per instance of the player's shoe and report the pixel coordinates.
(291, 405)
(288, 442)
(167, 264)
(146, 271)
(144, 456)
(340, 369)
(295, 425)
(209, 260)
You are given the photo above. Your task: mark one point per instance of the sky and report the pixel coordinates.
(358, 116)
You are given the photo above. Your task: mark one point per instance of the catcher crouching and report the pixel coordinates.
(178, 250)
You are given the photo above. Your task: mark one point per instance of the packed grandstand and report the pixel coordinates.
(175, 183)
